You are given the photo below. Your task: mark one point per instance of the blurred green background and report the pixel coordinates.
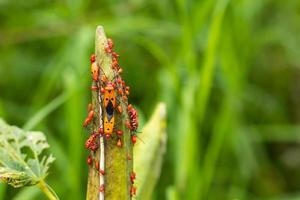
(228, 71)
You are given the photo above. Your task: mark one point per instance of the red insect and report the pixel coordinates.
(119, 80)
(120, 91)
(100, 131)
(127, 123)
(102, 90)
(132, 177)
(93, 58)
(133, 139)
(119, 132)
(107, 49)
(95, 71)
(115, 64)
(94, 88)
(97, 165)
(119, 143)
(119, 108)
(133, 117)
(115, 55)
(89, 118)
(103, 78)
(132, 191)
(89, 160)
(120, 70)
(124, 98)
(110, 43)
(102, 172)
(102, 188)
(91, 143)
(109, 46)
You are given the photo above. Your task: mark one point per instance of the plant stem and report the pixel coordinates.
(46, 189)
(113, 159)
(102, 147)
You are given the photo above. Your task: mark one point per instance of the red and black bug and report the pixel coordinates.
(133, 118)
(92, 143)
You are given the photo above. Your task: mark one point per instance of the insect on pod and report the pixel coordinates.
(97, 165)
(93, 58)
(132, 177)
(89, 160)
(102, 188)
(119, 80)
(120, 91)
(125, 98)
(102, 172)
(91, 143)
(115, 64)
(102, 90)
(119, 108)
(119, 132)
(95, 71)
(100, 131)
(127, 123)
(109, 105)
(132, 191)
(108, 125)
(114, 54)
(133, 139)
(133, 118)
(109, 46)
(103, 78)
(120, 70)
(89, 118)
(94, 88)
(119, 143)
(110, 43)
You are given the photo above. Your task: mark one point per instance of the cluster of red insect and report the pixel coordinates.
(132, 123)
(92, 143)
(122, 91)
(113, 95)
(132, 179)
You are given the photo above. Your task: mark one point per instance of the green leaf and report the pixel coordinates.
(149, 152)
(21, 162)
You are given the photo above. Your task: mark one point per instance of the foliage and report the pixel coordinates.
(149, 152)
(17, 168)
